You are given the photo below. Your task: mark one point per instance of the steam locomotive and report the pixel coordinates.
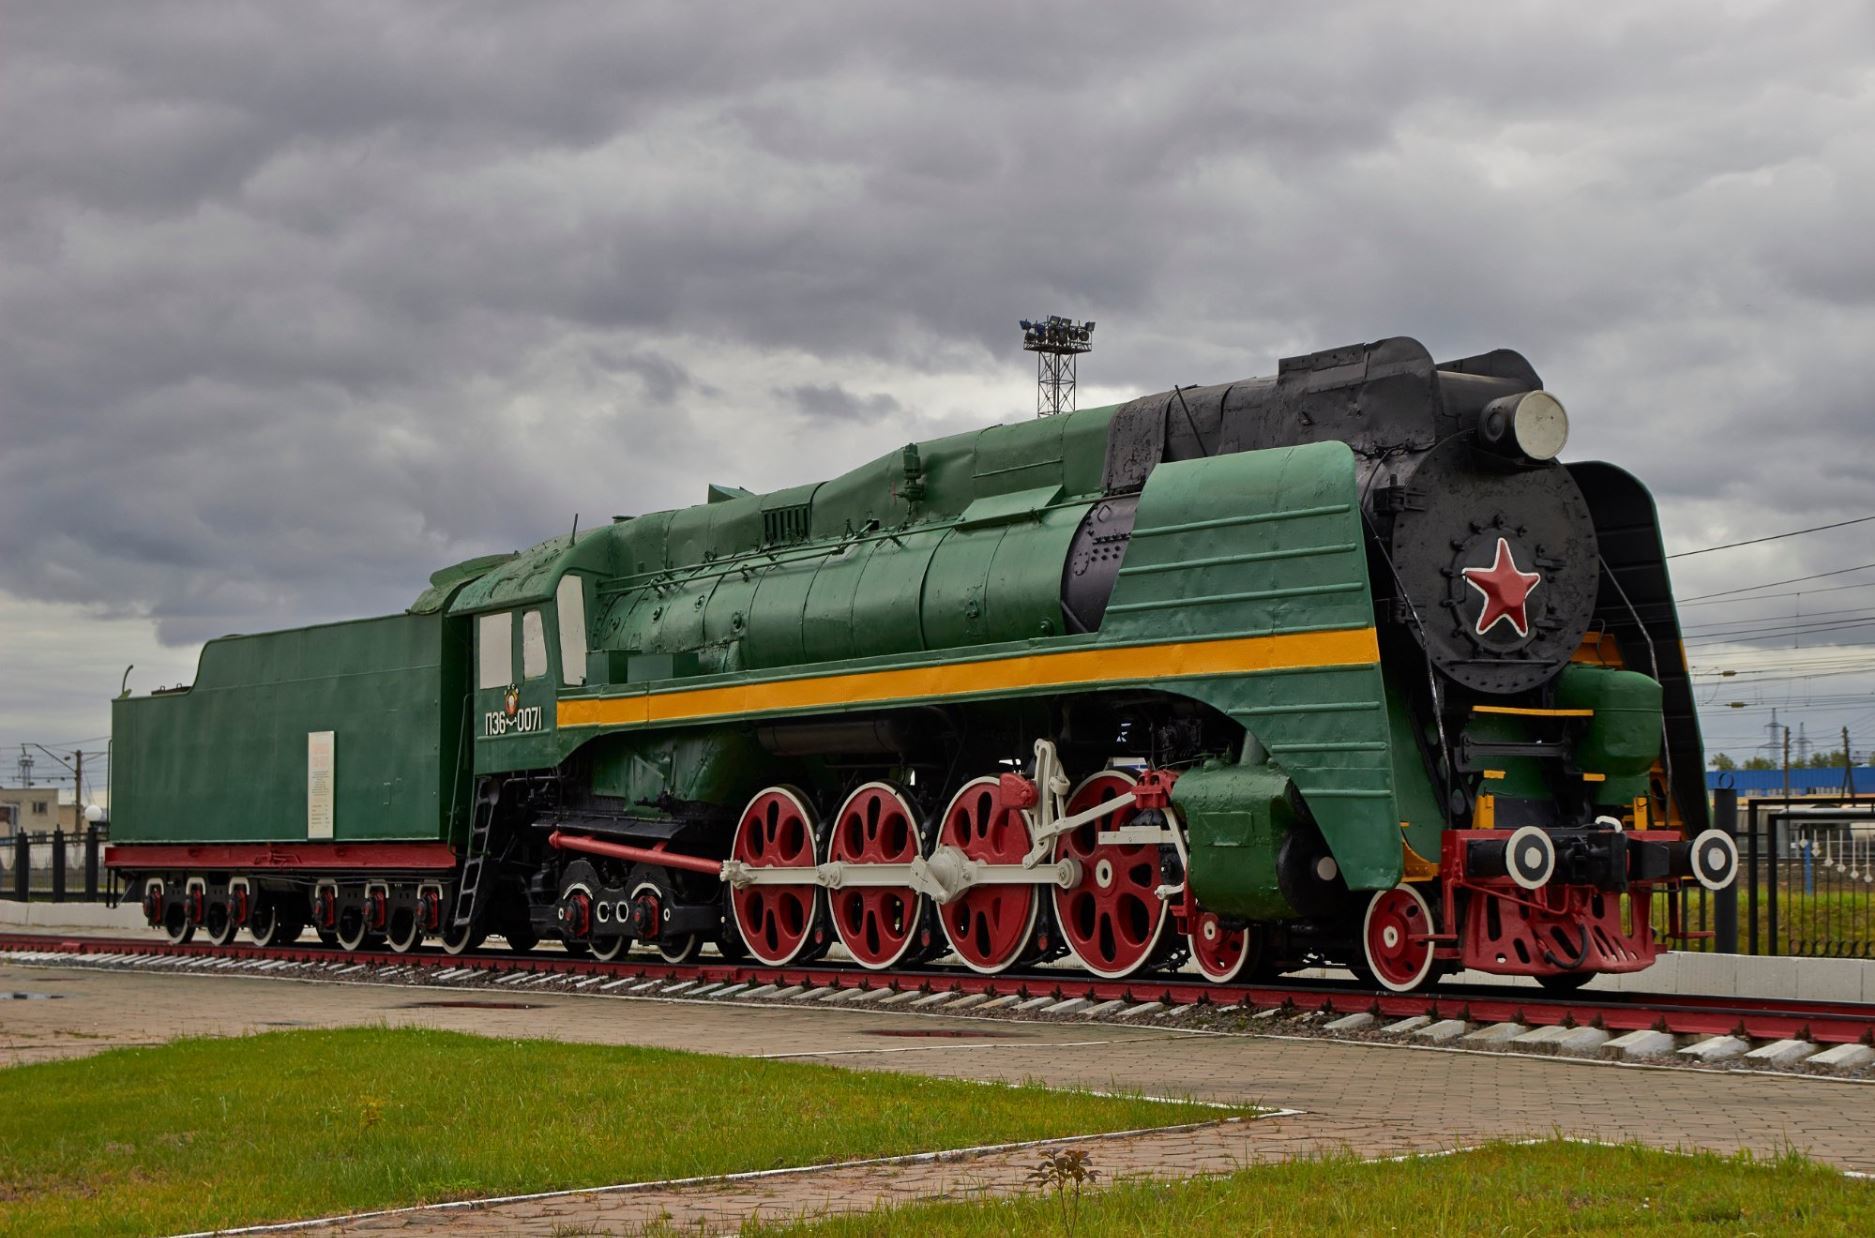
(1337, 666)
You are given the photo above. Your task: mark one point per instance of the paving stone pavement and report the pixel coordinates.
(1374, 1099)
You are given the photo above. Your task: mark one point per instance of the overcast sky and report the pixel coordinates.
(301, 302)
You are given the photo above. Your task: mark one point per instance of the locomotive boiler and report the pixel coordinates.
(1343, 665)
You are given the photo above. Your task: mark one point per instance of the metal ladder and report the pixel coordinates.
(481, 825)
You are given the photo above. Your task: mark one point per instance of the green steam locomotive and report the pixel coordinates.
(1337, 666)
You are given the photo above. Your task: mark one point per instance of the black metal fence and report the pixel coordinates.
(1807, 868)
(55, 866)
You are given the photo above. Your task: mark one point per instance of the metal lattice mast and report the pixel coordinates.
(1056, 343)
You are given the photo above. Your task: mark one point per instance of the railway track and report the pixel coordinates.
(1322, 1002)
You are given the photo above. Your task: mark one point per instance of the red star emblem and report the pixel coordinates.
(1504, 589)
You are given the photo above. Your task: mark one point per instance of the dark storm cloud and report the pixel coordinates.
(830, 400)
(299, 302)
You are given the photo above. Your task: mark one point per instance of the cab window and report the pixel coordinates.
(495, 648)
(533, 645)
(570, 599)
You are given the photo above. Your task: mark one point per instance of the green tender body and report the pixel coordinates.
(226, 760)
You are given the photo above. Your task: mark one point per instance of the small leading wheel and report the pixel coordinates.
(520, 939)
(457, 941)
(353, 932)
(775, 922)
(1223, 954)
(1565, 981)
(680, 949)
(1112, 919)
(218, 924)
(177, 926)
(1395, 948)
(876, 924)
(605, 949)
(403, 934)
(989, 926)
(576, 948)
(271, 924)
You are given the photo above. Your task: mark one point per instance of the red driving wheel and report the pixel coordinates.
(1394, 936)
(876, 924)
(1220, 953)
(776, 831)
(989, 926)
(1111, 919)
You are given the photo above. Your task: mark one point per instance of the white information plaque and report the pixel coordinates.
(319, 784)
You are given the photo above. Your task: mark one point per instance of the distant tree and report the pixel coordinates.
(1721, 761)
(1826, 760)
(1760, 763)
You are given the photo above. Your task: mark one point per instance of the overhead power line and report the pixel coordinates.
(1753, 541)
(1772, 584)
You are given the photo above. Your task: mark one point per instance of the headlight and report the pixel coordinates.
(1532, 425)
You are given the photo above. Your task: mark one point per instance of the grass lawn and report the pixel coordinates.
(1549, 1188)
(206, 1132)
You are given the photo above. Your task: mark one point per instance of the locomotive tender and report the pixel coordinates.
(1341, 665)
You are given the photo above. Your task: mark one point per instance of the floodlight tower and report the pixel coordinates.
(1056, 342)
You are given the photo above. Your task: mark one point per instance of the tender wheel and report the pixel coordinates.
(520, 940)
(177, 926)
(989, 926)
(1110, 919)
(217, 925)
(876, 924)
(403, 936)
(457, 941)
(1565, 981)
(680, 949)
(1223, 954)
(605, 949)
(1392, 939)
(775, 922)
(270, 924)
(353, 932)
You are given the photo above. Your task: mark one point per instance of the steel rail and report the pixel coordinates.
(1826, 1023)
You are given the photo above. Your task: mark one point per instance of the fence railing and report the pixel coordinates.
(55, 866)
(1808, 872)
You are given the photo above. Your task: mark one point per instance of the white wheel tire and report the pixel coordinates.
(919, 900)
(1035, 905)
(1419, 977)
(1158, 928)
(814, 908)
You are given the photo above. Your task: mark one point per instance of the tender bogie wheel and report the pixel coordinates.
(878, 925)
(1224, 954)
(353, 932)
(458, 941)
(775, 922)
(1111, 919)
(272, 924)
(1566, 981)
(403, 935)
(989, 927)
(520, 940)
(1390, 952)
(177, 926)
(605, 949)
(217, 924)
(680, 949)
